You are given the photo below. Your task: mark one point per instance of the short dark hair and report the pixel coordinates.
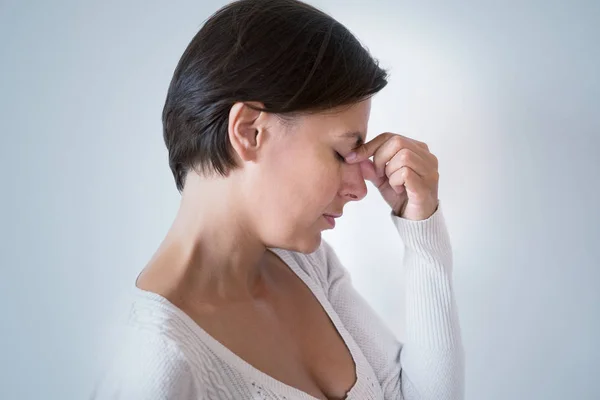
(285, 54)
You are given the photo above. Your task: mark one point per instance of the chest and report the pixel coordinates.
(287, 335)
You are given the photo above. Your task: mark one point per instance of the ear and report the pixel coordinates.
(244, 128)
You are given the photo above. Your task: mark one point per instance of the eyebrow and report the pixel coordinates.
(354, 134)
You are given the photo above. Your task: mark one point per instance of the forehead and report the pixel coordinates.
(343, 123)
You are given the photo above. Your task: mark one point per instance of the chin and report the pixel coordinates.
(309, 245)
(305, 245)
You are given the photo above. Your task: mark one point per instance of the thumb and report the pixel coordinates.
(368, 171)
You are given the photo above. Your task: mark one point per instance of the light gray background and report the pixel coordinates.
(506, 94)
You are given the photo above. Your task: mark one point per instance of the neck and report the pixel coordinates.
(210, 247)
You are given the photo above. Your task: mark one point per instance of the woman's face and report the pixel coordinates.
(301, 175)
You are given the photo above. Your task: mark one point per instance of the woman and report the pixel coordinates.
(265, 122)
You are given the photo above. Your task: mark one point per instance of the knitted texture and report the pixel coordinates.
(166, 356)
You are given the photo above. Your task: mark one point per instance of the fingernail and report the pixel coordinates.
(351, 156)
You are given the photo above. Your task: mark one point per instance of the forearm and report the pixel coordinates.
(433, 357)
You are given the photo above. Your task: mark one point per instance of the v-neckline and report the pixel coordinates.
(248, 369)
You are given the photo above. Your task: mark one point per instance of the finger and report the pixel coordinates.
(398, 180)
(383, 148)
(368, 171)
(368, 149)
(408, 158)
(380, 183)
(421, 144)
(394, 145)
(416, 187)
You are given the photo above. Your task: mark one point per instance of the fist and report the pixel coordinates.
(404, 171)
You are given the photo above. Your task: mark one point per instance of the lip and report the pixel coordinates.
(334, 215)
(330, 218)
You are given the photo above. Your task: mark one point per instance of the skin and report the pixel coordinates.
(214, 263)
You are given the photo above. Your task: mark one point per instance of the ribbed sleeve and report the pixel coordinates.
(429, 363)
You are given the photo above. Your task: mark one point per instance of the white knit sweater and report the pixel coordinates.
(165, 355)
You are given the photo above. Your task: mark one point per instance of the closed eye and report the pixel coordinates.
(340, 157)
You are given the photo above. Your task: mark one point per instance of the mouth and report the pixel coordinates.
(330, 218)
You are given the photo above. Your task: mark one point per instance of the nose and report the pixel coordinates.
(353, 183)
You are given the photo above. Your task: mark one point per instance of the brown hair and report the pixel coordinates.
(286, 54)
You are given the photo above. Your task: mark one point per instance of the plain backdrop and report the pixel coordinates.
(505, 93)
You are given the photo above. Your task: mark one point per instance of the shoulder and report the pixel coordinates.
(147, 363)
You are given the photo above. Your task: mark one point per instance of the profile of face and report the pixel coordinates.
(295, 171)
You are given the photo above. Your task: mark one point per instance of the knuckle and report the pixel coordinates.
(398, 142)
(404, 155)
(423, 145)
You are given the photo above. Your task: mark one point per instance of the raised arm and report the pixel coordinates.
(430, 362)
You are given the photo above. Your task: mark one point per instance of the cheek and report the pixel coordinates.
(300, 184)
(324, 183)
(327, 179)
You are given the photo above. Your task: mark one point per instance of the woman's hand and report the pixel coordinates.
(404, 171)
